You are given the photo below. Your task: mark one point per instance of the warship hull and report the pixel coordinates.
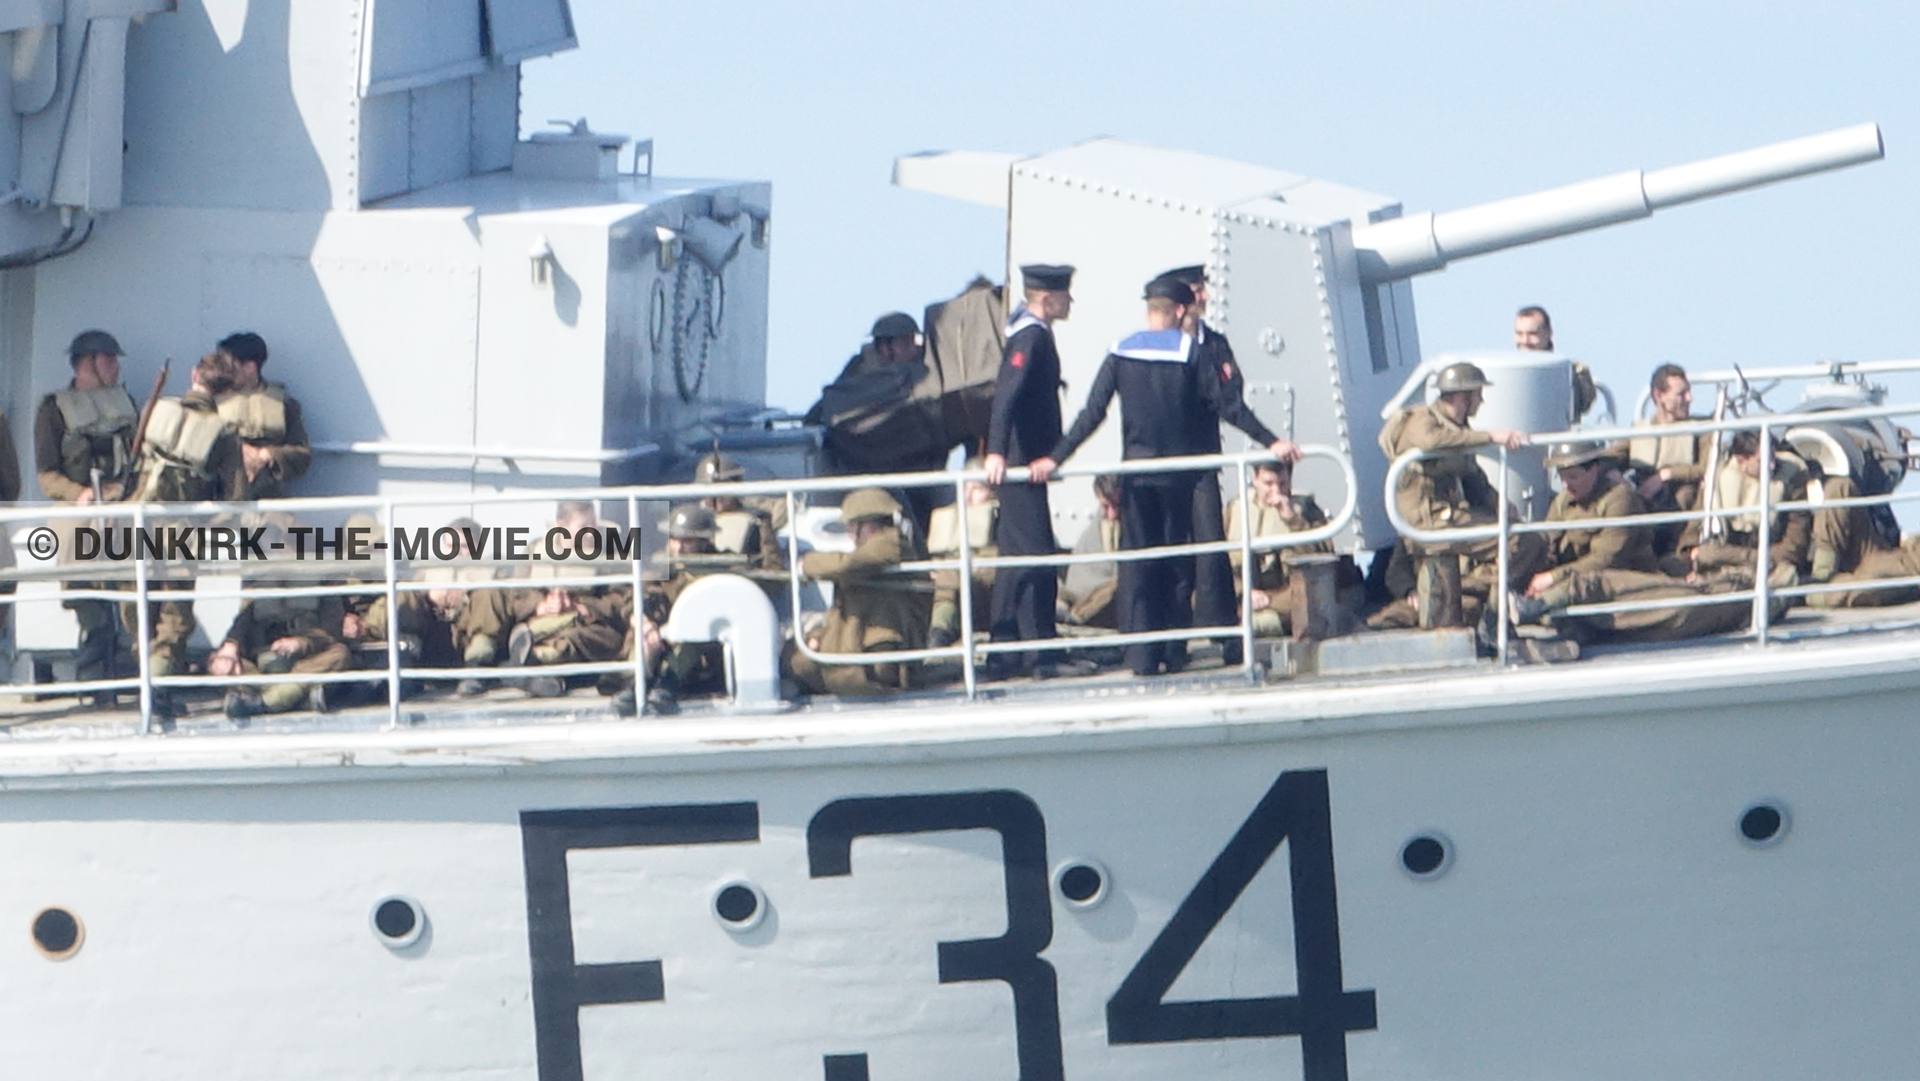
(1525, 872)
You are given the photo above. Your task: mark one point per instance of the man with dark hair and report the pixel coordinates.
(82, 449)
(1790, 533)
(1533, 330)
(273, 435)
(186, 455)
(1222, 388)
(1669, 469)
(1270, 509)
(1089, 588)
(1023, 429)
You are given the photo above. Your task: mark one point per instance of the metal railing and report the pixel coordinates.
(966, 562)
(352, 578)
(1761, 594)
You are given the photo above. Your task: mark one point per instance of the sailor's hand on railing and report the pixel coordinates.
(1507, 438)
(1041, 468)
(1284, 450)
(996, 466)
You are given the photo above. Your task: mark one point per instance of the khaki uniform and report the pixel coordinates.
(1651, 625)
(1576, 550)
(593, 629)
(1791, 532)
(477, 620)
(74, 433)
(1451, 491)
(1847, 548)
(315, 621)
(1090, 588)
(943, 542)
(870, 612)
(1685, 457)
(270, 418)
(1271, 576)
(750, 532)
(188, 455)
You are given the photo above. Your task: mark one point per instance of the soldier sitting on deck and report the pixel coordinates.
(1087, 593)
(1274, 511)
(872, 611)
(1790, 533)
(584, 621)
(743, 526)
(943, 542)
(274, 635)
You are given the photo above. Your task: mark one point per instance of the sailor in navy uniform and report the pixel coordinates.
(1151, 371)
(1222, 390)
(1025, 425)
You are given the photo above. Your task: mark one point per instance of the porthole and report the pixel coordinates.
(1426, 855)
(58, 934)
(739, 906)
(1763, 822)
(397, 921)
(1080, 882)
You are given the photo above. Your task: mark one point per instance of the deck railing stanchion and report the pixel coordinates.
(1247, 511)
(143, 629)
(639, 611)
(967, 675)
(1501, 566)
(393, 618)
(1762, 558)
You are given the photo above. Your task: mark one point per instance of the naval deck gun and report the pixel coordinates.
(1310, 279)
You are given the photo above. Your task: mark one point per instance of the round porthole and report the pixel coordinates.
(1081, 883)
(739, 906)
(58, 934)
(1426, 855)
(398, 922)
(1763, 823)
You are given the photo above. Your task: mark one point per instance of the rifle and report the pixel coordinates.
(140, 428)
(146, 411)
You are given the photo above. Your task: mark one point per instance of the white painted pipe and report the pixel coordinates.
(729, 609)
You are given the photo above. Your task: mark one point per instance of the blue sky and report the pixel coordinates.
(1440, 105)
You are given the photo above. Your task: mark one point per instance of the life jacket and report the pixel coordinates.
(1662, 450)
(99, 434)
(735, 530)
(257, 416)
(176, 446)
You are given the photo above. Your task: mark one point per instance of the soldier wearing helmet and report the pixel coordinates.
(741, 526)
(1591, 488)
(1449, 490)
(873, 609)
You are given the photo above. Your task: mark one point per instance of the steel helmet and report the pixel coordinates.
(868, 503)
(1563, 455)
(716, 467)
(690, 522)
(1461, 376)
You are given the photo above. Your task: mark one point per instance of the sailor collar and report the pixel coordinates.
(1171, 346)
(1021, 320)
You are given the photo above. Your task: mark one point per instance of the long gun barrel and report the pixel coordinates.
(1402, 247)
